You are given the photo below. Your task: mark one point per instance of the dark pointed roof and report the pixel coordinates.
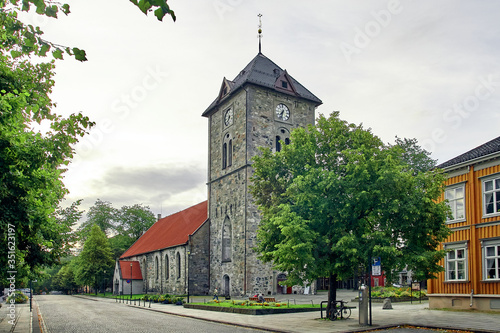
(263, 72)
(490, 147)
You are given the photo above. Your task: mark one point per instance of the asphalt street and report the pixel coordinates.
(65, 314)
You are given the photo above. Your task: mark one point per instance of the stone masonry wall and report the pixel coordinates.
(254, 125)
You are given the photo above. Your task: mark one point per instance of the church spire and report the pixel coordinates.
(260, 33)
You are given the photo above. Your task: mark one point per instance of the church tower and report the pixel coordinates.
(258, 108)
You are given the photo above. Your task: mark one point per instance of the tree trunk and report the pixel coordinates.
(332, 294)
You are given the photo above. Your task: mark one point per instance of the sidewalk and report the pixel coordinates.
(18, 320)
(416, 314)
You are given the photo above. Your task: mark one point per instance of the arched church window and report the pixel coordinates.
(157, 268)
(230, 153)
(278, 143)
(224, 155)
(178, 265)
(226, 239)
(167, 273)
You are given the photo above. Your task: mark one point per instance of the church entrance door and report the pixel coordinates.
(281, 289)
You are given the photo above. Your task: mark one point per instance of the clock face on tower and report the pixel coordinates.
(228, 117)
(282, 112)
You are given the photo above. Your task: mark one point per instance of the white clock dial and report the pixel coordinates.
(228, 117)
(282, 112)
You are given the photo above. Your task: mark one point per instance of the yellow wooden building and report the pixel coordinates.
(472, 263)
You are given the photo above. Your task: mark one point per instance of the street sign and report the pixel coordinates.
(376, 267)
(128, 281)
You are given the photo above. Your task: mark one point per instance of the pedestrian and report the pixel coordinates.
(216, 296)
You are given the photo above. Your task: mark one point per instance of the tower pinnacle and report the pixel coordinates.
(260, 32)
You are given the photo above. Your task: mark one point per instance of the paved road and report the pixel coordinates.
(68, 314)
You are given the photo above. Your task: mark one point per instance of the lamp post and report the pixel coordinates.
(131, 281)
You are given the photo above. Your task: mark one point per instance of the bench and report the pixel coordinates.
(268, 299)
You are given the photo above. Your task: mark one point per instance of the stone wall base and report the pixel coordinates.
(464, 302)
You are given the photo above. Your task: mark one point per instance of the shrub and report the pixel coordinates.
(18, 296)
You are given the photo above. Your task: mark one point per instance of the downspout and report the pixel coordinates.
(471, 297)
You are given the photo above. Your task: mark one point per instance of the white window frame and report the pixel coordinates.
(494, 192)
(452, 203)
(452, 251)
(487, 257)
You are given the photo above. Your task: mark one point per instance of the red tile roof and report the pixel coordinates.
(170, 231)
(125, 269)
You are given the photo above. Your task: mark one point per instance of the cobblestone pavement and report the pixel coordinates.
(67, 314)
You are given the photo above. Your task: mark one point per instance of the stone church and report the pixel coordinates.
(258, 108)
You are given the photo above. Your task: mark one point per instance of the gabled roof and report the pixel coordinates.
(125, 270)
(490, 147)
(170, 231)
(263, 72)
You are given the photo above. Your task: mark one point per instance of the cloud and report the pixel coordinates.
(166, 179)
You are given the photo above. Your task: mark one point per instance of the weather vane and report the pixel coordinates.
(260, 32)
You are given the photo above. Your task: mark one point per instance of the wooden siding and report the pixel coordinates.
(472, 230)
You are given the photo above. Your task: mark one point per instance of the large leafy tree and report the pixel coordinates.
(32, 163)
(96, 259)
(336, 197)
(102, 214)
(135, 220)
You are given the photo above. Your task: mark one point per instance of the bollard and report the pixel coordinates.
(149, 303)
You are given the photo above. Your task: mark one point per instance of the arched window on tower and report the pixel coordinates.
(227, 151)
(224, 155)
(282, 135)
(278, 143)
(226, 239)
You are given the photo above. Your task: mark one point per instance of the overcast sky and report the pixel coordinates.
(417, 69)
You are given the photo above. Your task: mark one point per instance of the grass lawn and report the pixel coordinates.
(254, 305)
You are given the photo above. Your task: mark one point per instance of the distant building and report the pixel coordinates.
(127, 278)
(472, 264)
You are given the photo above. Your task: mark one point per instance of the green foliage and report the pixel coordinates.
(119, 244)
(102, 214)
(135, 220)
(337, 196)
(31, 166)
(95, 260)
(160, 8)
(65, 279)
(31, 162)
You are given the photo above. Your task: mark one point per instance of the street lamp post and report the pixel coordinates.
(131, 282)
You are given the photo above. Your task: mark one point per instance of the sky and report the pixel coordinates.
(425, 69)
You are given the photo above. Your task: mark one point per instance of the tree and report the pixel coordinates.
(32, 163)
(135, 220)
(96, 259)
(102, 214)
(119, 244)
(337, 197)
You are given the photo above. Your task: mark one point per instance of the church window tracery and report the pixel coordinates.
(227, 151)
(226, 240)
